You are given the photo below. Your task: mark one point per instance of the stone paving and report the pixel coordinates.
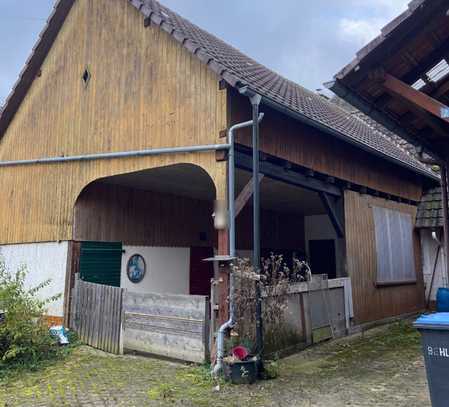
(384, 368)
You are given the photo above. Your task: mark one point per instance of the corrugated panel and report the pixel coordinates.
(101, 262)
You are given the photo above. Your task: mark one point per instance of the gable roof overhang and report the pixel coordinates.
(238, 71)
(34, 63)
(401, 78)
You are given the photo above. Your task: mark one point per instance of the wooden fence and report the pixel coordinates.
(114, 319)
(97, 315)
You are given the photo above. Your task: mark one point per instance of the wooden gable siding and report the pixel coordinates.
(145, 91)
(370, 302)
(291, 140)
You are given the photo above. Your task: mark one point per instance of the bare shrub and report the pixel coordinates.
(275, 279)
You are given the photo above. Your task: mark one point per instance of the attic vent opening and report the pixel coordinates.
(86, 76)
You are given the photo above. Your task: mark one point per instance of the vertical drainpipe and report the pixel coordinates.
(232, 246)
(255, 102)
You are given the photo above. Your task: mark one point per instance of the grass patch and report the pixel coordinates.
(397, 341)
(11, 371)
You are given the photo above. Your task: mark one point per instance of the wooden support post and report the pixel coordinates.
(223, 278)
(244, 196)
(444, 195)
(332, 211)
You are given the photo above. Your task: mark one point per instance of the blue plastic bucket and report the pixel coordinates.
(443, 300)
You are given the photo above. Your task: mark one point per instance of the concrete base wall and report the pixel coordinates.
(173, 326)
(167, 271)
(44, 261)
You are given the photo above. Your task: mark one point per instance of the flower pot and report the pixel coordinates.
(241, 372)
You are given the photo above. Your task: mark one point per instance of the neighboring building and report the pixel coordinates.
(401, 80)
(113, 76)
(429, 221)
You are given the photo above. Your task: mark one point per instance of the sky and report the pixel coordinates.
(303, 40)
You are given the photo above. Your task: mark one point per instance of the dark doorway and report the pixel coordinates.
(201, 272)
(322, 257)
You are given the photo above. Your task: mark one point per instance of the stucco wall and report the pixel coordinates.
(429, 250)
(43, 261)
(319, 227)
(168, 270)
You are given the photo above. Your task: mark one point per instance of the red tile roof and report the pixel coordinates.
(237, 70)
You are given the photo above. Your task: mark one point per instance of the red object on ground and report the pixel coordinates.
(240, 352)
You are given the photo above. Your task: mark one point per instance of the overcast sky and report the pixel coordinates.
(305, 40)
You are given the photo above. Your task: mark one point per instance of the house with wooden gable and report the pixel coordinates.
(113, 151)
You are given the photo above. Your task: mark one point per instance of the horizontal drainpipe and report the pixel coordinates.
(232, 251)
(122, 154)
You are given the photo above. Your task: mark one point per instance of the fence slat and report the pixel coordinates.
(97, 313)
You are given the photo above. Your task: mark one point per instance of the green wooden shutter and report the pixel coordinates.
(101, 262)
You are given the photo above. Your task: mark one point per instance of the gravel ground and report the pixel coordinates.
(384, 367)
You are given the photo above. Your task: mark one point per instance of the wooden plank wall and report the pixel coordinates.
(97, 311)
(287, 138)
(107, 212)
(145, 91)
(135, 217)
(372, 303)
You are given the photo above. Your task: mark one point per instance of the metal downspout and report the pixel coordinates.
(232, 249)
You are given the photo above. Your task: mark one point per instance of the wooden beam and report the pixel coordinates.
(427, 63)
(245, 195)
(416, 97)
(278, 172)
(331, 207)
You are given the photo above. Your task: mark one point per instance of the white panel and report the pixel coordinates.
(429, 250)
(43, 261)
(168, 270)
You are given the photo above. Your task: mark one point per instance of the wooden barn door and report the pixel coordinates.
(201, 272)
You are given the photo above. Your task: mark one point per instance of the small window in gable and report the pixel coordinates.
(86, 76)
(394, 247)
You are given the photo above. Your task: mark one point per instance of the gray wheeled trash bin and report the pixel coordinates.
(434, 329)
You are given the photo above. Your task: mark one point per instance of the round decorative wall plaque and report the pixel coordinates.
(136, 268)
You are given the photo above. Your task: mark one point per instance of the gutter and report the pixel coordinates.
(313, 123)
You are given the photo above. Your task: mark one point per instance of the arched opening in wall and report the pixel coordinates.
(148, 231)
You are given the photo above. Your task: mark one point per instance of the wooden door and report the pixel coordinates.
(201, 272)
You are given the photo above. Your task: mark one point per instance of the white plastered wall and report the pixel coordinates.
(44, 261)
(168, 270)
(319, 227)
(429, 250)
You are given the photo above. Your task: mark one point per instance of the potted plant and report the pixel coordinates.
(240, 367)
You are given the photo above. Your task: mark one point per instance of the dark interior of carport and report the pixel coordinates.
(171, 207)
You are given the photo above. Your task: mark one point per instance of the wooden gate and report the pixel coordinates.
(96, 315)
